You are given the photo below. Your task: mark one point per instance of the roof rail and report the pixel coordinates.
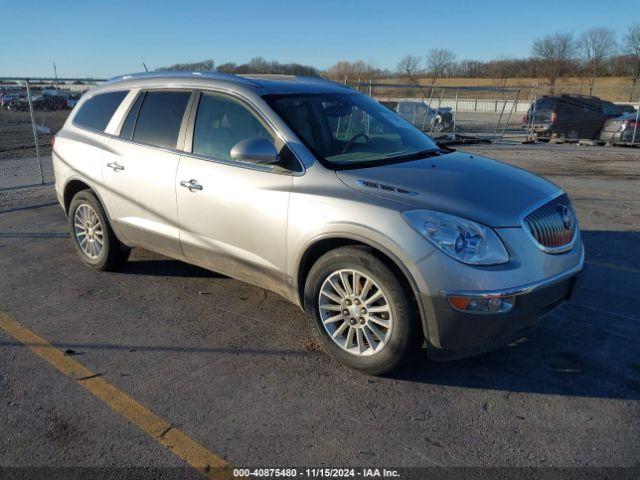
(181, 74)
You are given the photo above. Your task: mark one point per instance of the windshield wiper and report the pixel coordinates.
(432, 152)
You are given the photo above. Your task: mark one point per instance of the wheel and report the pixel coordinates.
(91, 234)
(361, 314)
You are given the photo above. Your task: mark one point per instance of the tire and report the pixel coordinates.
(88, 221)
(378, 349)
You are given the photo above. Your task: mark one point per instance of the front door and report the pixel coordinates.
(233, 216)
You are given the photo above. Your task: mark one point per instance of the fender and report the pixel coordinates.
(364, 236)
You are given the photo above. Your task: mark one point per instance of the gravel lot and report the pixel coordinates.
(234, 366)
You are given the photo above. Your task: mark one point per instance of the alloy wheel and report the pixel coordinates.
(88, 231)
(355, 312)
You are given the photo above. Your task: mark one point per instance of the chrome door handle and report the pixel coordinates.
(115, 166)
(192, 185)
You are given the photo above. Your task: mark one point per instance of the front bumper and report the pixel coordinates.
(453, 334)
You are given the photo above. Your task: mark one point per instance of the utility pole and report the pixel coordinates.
(55, 74)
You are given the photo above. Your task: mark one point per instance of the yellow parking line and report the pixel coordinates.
(160, 430)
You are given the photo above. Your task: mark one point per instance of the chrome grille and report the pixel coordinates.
(553, 225)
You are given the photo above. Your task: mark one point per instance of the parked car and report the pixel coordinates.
(573, 117)
(624, 129)
(7, 98)
(422, 116)
(49, 102)
(38, 102)
(70, 99)
(18, 104)
(386, 240)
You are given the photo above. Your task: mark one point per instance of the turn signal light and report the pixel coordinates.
(488, 304)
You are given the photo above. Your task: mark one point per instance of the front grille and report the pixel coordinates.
(553, 225)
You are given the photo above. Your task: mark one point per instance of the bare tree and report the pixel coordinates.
(555, 52)
(203, 66)
(409, 67)
(632, 49)
(439, 61)
(595, 46)
(501, 70)
(352, 70)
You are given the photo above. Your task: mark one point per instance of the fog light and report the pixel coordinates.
(488, 304)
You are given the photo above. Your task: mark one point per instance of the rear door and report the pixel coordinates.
(233, 215)
(140, 170)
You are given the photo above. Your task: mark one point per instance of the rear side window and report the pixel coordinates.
(96, 112)
(160, 118)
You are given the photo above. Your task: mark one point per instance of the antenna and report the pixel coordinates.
(145, 67)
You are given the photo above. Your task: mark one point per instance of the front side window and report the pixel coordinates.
(160, 118)
(97, 111)
(221, 122)
(350, 129)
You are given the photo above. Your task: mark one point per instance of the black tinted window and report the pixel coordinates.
(96, 112)
(127, 127)
(160, 118)
(545, 104)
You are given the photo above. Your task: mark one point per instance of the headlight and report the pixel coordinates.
(462, 239)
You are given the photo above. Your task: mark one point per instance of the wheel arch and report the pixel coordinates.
(71, 188)
(78, 184)
(320, 246)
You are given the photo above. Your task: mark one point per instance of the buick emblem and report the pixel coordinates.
(567, 218)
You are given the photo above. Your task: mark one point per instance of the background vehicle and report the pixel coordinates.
(49, 102)
(621, 129)
(70, 99)
(18, 104)
(423, 117)
(573, 117)
(319, 193)
(7, 98)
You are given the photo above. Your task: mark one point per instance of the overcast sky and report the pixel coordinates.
(107, 38)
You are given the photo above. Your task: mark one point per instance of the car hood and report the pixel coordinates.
(477, 188)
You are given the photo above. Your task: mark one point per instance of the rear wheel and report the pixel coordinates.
(92, 236)
(362, 315)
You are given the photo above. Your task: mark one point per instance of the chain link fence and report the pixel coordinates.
(507, 114)
(31, 113)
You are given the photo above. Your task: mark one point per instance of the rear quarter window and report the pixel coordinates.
(97, 111)
(160, 118)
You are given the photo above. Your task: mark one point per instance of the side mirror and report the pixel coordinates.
(259, 150)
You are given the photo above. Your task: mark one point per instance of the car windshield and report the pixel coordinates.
(351, 130)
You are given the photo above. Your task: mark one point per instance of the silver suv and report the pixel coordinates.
(311, 190)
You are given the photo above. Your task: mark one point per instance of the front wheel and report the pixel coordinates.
(92, 236)
(362, 314)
